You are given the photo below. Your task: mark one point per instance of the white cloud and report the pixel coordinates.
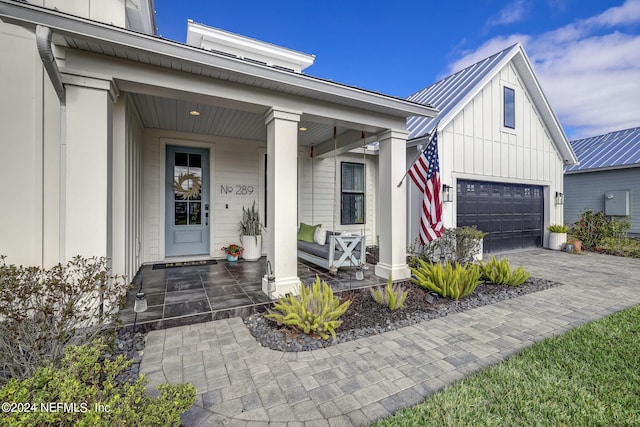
(512, 12)
(589, 69)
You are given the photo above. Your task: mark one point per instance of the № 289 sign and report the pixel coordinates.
(239, 190)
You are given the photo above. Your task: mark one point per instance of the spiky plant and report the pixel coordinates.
(314, 311)
(250, 224)
(392, 295)
(500, 272)
(452, 281)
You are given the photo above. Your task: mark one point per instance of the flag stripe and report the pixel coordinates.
(425, 174)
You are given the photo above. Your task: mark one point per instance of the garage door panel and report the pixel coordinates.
(512, 214)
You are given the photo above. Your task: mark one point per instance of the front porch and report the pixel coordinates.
(179, 296)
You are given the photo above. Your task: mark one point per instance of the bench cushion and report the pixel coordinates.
(321, 251)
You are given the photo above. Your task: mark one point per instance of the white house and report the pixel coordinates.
(100, 117)
(501, 150)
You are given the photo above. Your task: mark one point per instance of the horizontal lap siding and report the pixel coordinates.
(320, 192)
(235, 163)
(586, 191)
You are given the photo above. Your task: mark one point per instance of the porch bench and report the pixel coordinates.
(339, 251)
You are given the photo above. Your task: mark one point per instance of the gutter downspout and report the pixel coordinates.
(43, 43)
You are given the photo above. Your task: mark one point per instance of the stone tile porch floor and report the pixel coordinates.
(240, 383)
(201, 293)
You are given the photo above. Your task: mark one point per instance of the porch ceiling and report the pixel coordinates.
(173, 114)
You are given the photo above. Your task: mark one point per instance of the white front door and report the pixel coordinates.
(187, 201)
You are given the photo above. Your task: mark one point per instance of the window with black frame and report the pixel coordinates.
(509, 108)
(352, 193)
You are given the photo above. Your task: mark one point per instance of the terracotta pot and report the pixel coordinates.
(577, 245)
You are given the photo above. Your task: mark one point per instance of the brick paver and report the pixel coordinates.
(355, 383)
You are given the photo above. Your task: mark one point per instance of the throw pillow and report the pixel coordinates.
(320, 235)
(306, 233)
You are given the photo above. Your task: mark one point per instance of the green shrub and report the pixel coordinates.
(456, 245)
(558, 228)
(392, 296)
(314, 311)
(87, 383)
(453, 280)
(591, 228)
(44, 310)
(500, 273)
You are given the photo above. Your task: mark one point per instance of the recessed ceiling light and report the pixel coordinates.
(194, 112)
(302, 129)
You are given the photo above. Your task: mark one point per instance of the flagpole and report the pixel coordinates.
(419, 154)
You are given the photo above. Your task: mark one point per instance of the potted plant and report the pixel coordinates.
(233, 251)
(251, 233)
(557, 236)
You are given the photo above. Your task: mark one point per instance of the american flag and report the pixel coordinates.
(425, 173)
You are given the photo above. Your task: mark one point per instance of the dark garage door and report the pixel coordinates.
(510, 213)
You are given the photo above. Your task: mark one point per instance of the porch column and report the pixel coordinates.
(87, 182)
(393, 206)
(282, 200)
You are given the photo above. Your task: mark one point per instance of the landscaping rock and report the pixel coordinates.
(365, 317)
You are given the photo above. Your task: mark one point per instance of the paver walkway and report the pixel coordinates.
(240, 383)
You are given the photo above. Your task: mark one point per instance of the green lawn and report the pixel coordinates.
(587, 377)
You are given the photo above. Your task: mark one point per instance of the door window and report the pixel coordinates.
(187, 188)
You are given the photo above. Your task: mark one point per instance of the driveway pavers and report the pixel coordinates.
(240, 383)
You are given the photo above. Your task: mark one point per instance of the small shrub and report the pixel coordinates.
(392, 296)
(591, 228)
(558, 228)
(42, 311)
(453, 280)
(314, 311)
(499, 272)
(456, 245)
(82, 379)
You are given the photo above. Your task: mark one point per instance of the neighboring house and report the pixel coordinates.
(501, 149)
(100, 117)
(607, 178)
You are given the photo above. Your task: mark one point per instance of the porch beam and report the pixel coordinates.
(152, 80)
(392, 201)
(282, 201)
(347, 141)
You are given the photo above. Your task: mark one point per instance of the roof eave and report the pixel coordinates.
(602, 169)
(29, 16)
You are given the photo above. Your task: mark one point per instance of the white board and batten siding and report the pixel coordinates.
(475, 145)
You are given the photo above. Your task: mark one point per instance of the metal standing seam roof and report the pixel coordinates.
(619, 149)
(447, 93)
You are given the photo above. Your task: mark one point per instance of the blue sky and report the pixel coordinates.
(586, 53)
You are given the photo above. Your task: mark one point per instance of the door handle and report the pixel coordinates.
(206, 214)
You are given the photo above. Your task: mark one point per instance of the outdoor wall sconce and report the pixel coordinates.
(559, 198)
(446, 193)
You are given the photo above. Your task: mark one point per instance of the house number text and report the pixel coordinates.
(240, 190)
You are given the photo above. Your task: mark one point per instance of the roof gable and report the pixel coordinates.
(451, 94)
(614, 150)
